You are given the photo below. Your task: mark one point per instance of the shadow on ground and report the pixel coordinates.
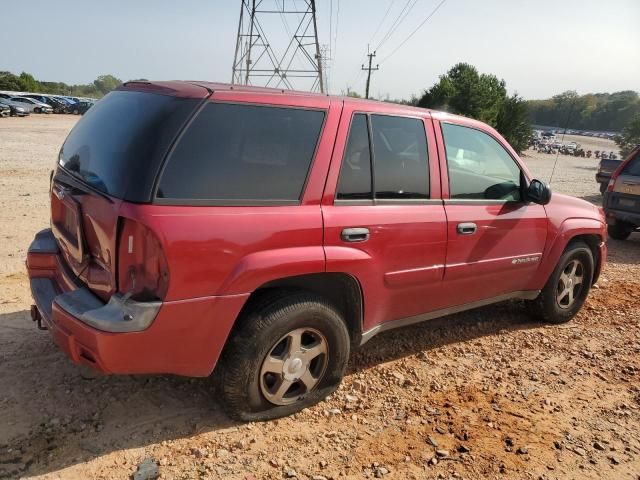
(70, 416)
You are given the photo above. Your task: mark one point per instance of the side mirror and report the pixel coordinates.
(538, 192)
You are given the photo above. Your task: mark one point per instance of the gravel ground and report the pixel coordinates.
(485, 394)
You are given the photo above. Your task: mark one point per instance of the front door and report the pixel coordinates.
(384, 221)
(496, 239)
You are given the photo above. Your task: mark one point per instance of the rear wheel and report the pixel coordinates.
(568, 286)
(619, 230)
(288, 353)
(37, 110)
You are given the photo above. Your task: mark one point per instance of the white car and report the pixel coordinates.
(31, 105)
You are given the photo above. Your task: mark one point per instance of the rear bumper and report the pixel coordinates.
(614, 216)
(186, 337)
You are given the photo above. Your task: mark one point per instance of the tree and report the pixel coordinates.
(609, 112)
(28, 83)
(630, 136)
(8, 81)
(105, 83)
(465, 91)
(513, 122)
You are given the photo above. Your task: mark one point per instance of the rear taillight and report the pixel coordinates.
(143, 273)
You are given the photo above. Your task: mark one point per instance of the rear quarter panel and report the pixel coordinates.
(231, 250)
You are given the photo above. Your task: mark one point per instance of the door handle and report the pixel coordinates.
(355, 235)
(467, 228)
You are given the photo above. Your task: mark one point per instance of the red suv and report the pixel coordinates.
(266, 233)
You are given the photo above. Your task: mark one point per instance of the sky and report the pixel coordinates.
(540, 48)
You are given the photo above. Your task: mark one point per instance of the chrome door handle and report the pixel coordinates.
(467, 228)
(353, 235)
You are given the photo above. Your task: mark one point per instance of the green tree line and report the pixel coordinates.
(25, 82)
(610, 112)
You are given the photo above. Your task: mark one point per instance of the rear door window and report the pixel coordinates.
(399, 160)
(235, 153)
(400, 157)
(355, 175)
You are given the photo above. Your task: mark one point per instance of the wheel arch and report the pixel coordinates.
(590, 231)
(341, 290)
(593, 241)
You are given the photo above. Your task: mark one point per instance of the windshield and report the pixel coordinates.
(118, 145)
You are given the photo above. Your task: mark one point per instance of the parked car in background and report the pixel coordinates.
(33, 105)
(16, 109)
(248, 235)
(80, 107)
(622, 198)
(57, 105)
(64, 100)
(5, 111)
(605, 169)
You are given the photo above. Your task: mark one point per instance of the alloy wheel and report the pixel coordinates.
(294, 366)
(570, 284)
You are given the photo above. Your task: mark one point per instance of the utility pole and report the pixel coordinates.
(257, 61)
(369, 69)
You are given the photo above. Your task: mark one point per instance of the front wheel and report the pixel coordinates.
(619, 230)
(289, 352)
(568, 286)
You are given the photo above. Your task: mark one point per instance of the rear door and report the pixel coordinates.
(384, 222)
(496, 239)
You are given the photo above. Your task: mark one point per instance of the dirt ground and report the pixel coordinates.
(485, 394)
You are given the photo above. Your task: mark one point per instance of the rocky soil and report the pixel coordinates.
(485, 394)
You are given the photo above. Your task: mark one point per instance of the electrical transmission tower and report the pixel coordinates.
(257, 61)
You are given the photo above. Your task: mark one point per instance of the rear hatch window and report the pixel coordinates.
(118, 145)
(633, 167)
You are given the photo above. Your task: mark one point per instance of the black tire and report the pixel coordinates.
(262, 328)
(619, 230)
(37, 110)
(547, 306)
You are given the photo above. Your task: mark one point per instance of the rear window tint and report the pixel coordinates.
(117, 147)
(243, 153)
(355, 174)
(633, 167)
(400, 157)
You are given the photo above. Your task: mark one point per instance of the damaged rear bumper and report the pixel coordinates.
(184, 337)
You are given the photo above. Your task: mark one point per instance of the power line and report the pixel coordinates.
(358, 74)
(414, 32)
(335, 39)
(398, 21)
(384, 17)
